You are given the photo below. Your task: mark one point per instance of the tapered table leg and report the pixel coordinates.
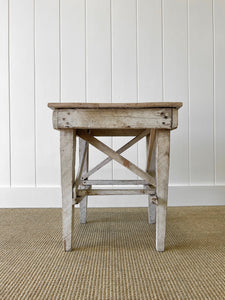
(67, 155)
(150, 166)
(162, 177)
(83, 203)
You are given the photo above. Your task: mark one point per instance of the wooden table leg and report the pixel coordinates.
(67, 155)
(162, 177)
(150, 166)
(83, 203)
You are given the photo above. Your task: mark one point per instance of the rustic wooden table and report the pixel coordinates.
(87, 120)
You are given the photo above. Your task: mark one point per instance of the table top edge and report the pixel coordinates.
(82, 105)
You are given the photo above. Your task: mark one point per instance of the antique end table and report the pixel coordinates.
(87, 120)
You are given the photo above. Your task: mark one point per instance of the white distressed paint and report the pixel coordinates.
(113, 50)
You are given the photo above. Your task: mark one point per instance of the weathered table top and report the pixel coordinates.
(78, 105)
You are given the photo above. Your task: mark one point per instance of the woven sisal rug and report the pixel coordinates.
(115, 256)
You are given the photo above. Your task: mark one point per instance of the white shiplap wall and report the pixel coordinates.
(105, 51)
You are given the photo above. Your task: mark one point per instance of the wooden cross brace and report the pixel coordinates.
(117, 157)
(148, 181)
(119, 151)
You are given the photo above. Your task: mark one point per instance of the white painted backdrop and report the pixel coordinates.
(111, 51)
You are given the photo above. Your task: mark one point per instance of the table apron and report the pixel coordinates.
(163, 118)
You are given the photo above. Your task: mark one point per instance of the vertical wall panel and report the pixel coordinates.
(47, 89)
(22, 92)
(4, 97)
(98, 51)
(149, 59)
(176, 83)
(124, 68)
(149, 51)
(219, 22)
(201, 91)
(111, 50)
(98, 76)
(72, 50)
